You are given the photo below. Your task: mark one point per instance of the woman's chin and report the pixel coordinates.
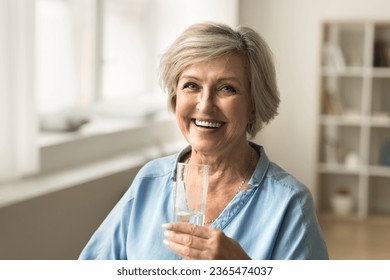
(205, 146)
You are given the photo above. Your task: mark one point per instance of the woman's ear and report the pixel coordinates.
(252, 115)
(172, 103)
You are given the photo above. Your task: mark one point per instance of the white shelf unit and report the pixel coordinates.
(354, 125)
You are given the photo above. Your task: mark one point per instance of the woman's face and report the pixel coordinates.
(213, 104)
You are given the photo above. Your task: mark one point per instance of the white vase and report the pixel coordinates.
(342, 204)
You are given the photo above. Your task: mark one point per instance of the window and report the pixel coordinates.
(126, 49)
(103, 54)
(65, 54)
(128, 85)
(91, 51)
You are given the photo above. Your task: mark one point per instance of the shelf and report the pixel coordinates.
(334, 168)
(375, 218)
(380, 171)
(343, 169)
(348, 120)
(354, 120)
(358, 71)
(380, 72)
(379, 122)
(344, 71)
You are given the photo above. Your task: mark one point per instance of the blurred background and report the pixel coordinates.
(81, 110)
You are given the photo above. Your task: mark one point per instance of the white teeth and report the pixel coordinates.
(208, 124)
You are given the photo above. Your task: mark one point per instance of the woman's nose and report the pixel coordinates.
(206, 101)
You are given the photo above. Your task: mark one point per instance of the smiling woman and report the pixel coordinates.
(209, 94)
(222, 87)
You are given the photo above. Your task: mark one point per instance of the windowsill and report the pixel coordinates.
(40, 185)
(105, 118)
(99, 126)
(102, 149)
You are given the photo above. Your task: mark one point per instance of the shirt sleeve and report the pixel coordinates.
(109, 240)
(300, 236)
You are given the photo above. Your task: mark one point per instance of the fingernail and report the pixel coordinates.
(167, 226)
(166, 242)
(166, 233)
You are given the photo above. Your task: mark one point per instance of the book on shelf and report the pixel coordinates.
(381, 54)
(385, 160)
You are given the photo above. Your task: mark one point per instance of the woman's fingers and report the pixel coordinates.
(195, 242)
(185, 235)
(187, 228)
(183, 250)
(189, 240)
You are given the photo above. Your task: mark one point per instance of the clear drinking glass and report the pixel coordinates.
(191, 192)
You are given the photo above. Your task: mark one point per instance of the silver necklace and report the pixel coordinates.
(240, 186)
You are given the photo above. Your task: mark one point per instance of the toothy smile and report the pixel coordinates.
(207, 124)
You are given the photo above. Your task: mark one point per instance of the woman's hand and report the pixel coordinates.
(194, 242)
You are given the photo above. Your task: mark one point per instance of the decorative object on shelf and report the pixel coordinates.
(342, 202)
(331, 98)
(351, 161)
(333, 56)
(332, 104)
(386, 154)
(332, 145)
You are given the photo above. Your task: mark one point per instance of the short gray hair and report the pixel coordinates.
(206, 41)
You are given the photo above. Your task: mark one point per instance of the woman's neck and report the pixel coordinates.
(226, 167)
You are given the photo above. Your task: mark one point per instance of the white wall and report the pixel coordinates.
(292, 29)
(172, 17)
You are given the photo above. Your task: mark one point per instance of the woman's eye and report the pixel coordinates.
(190, 86)
(228, 89)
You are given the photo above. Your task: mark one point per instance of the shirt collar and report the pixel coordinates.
(261, 167)
(179, 156)
(258, 174)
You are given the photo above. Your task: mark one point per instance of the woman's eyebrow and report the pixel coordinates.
(228, 78)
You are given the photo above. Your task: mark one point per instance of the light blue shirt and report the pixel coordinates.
(274, 219)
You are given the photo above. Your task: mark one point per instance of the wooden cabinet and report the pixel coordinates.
(354, 125)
